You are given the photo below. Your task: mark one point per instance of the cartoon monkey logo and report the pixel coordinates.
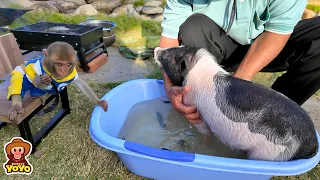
(17, 151)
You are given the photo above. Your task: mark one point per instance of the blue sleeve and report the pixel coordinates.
(284, 15)
(175, 13)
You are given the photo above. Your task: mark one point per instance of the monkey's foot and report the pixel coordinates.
(52, 107)
(43, 100)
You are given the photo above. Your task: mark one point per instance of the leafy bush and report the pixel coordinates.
(313, 7)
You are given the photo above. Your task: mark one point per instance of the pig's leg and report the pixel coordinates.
(204, 129)
(263, 155)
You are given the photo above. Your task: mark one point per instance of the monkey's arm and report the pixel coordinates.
(14, 93)
(86, 89)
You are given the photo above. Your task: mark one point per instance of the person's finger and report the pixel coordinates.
(176, 90)
(183, 108)
(167, 81)
(192, 116)
(196, 121)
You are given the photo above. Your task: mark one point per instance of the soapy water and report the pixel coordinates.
(156, 124)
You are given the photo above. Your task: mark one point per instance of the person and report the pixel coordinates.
(247, 37)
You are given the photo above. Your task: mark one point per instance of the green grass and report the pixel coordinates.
(313, 7)
(138, 3)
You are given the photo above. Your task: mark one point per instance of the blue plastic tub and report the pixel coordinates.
(163, 164)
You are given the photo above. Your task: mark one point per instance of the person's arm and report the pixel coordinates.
(175, 13)
(168, 42)
(262, 51)
(283, 16)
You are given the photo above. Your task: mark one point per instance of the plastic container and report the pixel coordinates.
(163, 164)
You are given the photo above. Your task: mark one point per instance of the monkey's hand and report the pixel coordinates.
(45, 79)
(103, 104)
(15, 112)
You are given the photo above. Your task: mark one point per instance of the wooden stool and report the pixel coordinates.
(31, 109)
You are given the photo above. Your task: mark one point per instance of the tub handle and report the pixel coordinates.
(159, 81)
(159, 153)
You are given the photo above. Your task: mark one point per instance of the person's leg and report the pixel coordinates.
(200, 31)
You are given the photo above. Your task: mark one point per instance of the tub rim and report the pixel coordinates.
(231, 165)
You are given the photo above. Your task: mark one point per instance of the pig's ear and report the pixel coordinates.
(187, 57)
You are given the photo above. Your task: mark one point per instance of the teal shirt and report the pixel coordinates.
(252, 17)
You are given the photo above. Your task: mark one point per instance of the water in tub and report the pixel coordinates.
(155, 123)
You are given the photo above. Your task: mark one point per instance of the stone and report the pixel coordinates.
(157, 17)
(44, 6)
(153, 3)
(8, 3)
(151, 10)
(91, 1)
(131, 12)
(122, 9)
(38, 154)
(138, 9)
(25, 3)
(106, 6)
(87, 10)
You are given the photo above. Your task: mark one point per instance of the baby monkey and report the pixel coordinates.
(47, 74)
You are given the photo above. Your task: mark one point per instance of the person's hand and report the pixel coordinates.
(103, 104)
(175, 95)
(45, 79)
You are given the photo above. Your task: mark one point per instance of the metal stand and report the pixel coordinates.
(42, 133)
(82, 54)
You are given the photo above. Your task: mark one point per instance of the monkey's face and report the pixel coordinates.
(60, 59)
(62, 68)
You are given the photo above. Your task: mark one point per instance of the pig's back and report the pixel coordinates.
(267, 112)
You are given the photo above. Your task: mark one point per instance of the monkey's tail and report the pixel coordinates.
(54, 104)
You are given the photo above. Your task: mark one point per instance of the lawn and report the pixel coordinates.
(69, 152)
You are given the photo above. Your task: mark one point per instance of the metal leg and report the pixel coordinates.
(2, 124)
(27, 52)
(26, 134)
(44, 131)
(82, 59)
(104, 48)
(65, 100)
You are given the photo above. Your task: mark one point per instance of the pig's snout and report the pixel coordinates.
(155, 51)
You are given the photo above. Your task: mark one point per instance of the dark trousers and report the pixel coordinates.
(300, 58)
